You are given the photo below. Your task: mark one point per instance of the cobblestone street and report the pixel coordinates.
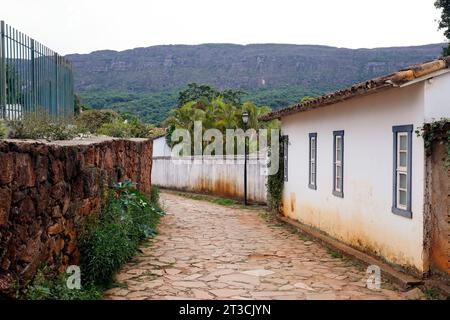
(209, 251)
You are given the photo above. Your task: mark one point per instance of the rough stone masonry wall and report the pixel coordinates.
(46, 191)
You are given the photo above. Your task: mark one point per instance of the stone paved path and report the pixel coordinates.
(208, 251)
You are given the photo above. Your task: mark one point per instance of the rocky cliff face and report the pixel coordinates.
(249, 67)
(47, 190)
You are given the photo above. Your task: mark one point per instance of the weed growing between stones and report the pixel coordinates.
(334, 254)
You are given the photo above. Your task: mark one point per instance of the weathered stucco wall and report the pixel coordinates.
(363, 218)
(213, 176)
(439, 191)
(47, 189)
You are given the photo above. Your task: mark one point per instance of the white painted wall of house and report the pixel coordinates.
(437, 98)
(363, 218)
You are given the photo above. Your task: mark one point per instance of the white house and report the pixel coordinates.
(357, 171)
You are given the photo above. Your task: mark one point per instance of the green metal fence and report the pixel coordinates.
(33, 78)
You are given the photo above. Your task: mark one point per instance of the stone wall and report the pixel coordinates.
(46, 191)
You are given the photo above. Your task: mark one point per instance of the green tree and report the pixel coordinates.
(197, 92)
(233, 96)
(444, 23)
(204, 93)
(216, 114)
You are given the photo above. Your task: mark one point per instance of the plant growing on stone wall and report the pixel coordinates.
(111, 239)
(132, 128)
(275, 184)
(437, 131)
(41, 125)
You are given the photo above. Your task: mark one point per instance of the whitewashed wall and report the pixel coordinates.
(363, 218)
(160, 147)
(212, 176)
(437, 99)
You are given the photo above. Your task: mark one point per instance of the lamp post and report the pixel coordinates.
(245, 121)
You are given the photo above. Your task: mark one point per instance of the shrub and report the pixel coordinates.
(45, 286)
(154, 196)
(117, 128)
(2, 130)
(92, 120)
(111, 239)
(138, 129)
(126, 129)
(41, 125)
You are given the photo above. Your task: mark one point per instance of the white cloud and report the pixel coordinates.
(86, 25)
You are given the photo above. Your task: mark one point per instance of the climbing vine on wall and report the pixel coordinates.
(437, 131)
(275, 183)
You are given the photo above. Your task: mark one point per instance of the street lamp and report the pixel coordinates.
(245, 121)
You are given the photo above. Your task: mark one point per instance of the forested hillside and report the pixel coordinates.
(145, 81)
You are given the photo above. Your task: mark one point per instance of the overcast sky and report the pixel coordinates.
(82, 26)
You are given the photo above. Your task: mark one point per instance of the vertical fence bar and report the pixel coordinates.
(2, 71)
(21, 75)
(14, 71)
(55, 66)
(33, 78)
(7, 72)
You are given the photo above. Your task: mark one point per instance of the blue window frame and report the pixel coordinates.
(338, 163)
(402, 164)
(313, 161)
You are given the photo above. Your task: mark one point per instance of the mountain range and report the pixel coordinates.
(145, 81)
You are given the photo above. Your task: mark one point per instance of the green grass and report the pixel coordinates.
(225, 202)
(216, 200)
(334, 254)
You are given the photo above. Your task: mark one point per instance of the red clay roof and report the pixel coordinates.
(364, 88)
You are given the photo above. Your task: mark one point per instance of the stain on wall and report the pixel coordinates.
(212, 176)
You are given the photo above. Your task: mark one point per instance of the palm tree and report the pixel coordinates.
(217, 114)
